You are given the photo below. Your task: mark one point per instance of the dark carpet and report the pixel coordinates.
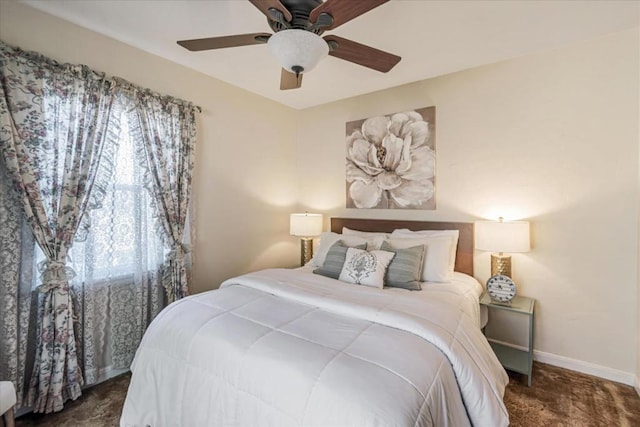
(557, 397)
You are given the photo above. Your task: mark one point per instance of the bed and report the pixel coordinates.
(287, 347)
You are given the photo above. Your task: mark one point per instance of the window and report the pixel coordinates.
(122, 240)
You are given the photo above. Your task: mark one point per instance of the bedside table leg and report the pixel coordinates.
(530, 374)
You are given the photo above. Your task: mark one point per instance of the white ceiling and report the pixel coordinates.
(432, 37)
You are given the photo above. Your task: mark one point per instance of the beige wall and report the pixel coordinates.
(552, 138)
(244, 189)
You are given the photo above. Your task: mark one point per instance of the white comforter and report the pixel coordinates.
(288, 348)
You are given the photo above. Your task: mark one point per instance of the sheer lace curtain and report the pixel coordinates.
(18, 298)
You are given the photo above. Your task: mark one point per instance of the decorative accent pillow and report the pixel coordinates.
(453, 234)
(327, 239)
(435, 266)
(405, 269)
(334, 260)
(374, 239)
(365, 268)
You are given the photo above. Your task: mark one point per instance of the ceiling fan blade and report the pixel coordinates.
(343, 10)
(224, 41)
(265, 5)
(361, 54)
(289, 80)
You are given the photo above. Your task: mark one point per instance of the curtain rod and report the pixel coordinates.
(7, 48)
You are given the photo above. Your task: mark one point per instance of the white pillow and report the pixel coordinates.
(327, 239)
(435, 266)
(453, 234)
(365, 268)
(374, 239)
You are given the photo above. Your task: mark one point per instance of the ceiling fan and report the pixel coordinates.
(296, 42)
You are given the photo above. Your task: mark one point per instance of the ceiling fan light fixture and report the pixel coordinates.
(298, 49)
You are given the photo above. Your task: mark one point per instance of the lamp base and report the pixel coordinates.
(306, 250)
(501, 264)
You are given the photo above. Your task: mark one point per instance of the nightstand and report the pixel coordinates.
(513, 357)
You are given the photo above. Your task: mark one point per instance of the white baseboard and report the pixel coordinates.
(587, 368)
(637, 385)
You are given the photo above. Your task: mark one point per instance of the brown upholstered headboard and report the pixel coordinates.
(464, 256)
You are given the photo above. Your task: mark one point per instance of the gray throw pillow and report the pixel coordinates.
(334, 261)
(406, 267)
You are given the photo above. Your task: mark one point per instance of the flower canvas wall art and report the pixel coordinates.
(391, 161)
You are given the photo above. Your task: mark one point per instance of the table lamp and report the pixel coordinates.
(502, 236)
(306, 226)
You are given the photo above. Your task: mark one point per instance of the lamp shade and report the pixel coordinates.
(298, 48)
(502, 236)
(305, 224)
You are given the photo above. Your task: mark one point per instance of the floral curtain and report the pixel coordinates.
(167, 129)
(54, 122)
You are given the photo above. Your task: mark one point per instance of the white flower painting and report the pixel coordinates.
(391, 161)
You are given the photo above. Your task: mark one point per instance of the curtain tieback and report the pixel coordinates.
(55, 275)
(179, 252)
(171, 278)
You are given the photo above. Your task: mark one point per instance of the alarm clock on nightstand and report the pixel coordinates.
(501, 288)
